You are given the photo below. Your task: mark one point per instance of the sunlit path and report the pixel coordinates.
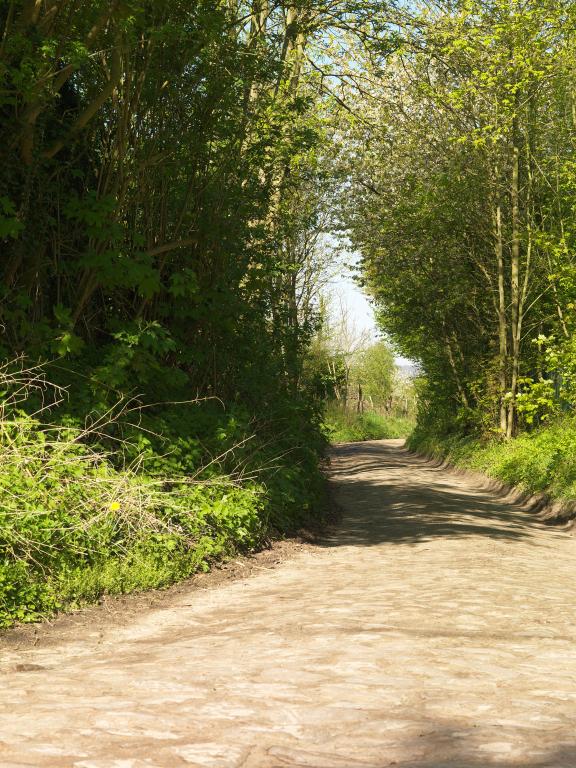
(434, 628)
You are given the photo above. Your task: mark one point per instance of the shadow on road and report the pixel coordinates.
(462, 746)
(393, 496)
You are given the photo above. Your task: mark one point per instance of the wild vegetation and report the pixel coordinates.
(134, 500)
(539, 461)
(366, 395)
(170, 172)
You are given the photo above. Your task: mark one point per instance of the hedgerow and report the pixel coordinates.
(134, 499)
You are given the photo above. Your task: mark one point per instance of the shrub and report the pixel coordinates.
(139, 498)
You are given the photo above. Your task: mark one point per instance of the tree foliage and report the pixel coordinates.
(155, 242)
(461, 161)
(151, 148)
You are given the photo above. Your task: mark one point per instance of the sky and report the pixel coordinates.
(355, 300)
(359, 308)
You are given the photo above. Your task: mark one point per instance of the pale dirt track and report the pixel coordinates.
(436, 627)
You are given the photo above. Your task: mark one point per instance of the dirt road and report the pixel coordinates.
(435, 628)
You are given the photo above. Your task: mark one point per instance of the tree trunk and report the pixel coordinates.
(515, 295)
(360, 406)
(502, 320)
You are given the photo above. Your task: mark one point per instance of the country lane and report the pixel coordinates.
(434, 627)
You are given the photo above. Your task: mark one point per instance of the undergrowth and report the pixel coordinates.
(135, 498)
(344, 426)
(543, 460)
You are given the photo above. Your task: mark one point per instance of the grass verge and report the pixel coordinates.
(542, 461)
(343, 426)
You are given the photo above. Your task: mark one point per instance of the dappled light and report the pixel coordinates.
(413, 514)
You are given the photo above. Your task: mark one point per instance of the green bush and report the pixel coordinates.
(73, 526)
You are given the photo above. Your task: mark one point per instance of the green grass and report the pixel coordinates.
(540, 461)
(342, 426)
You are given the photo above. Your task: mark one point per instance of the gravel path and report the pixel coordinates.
(436, 627)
